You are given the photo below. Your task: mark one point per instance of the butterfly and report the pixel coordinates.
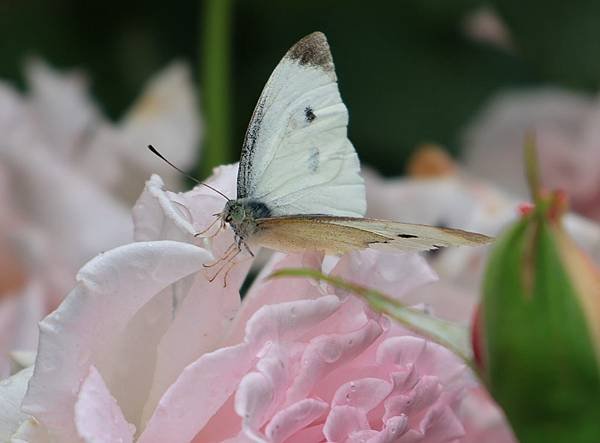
(299, 185)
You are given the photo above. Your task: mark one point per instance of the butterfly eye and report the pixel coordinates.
(228, 219)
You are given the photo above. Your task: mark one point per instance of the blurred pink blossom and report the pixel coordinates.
(65, 182)
(565, 125)
(146, 349)
(484, 25)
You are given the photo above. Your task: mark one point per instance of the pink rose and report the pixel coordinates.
(146, 349)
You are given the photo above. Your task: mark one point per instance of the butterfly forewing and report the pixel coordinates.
(296, 157)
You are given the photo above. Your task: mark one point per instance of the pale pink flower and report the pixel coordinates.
(146, 349)
(565, 125)
(64, 185)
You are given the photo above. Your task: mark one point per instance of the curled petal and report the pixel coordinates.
(365, 393)
(425, 393)
(342, 421)
(295, 417)
(288, 321)
(157, 217)
(326, 353)
(252, 401)
(440, 425)
(393, 428)
(427, 357)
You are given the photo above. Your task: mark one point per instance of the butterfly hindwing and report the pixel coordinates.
(296, 157)
(338, 235)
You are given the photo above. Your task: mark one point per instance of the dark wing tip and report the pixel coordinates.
(312, 50)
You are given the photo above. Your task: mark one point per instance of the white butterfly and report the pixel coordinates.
(299, 185)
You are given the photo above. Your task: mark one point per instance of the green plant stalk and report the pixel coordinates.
(532, 168)
(216, 84)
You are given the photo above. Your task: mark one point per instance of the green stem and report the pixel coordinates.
(216, 84)
(532, 167)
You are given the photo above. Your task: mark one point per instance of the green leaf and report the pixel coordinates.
(448, 334)
(540, 361)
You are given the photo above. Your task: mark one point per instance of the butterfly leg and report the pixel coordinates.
(230, 262)
(225, 256)
(199, 234)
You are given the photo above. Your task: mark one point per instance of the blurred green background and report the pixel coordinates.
(407, 70)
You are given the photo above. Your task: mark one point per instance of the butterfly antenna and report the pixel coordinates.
(162, 157)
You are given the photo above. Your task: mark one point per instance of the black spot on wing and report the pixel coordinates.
(309, 115)
(407, 236)
(312, 50)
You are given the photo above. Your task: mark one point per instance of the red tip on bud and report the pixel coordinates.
(525, 209)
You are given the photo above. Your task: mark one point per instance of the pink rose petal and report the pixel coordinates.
(252, 401)
(428, 357)
(311, 433)
(326, 353)
(157, 217)
(392, 430)
(365, 393)
(295, 417)
(86, 327)
(264, 292)
(342, 421)
(289, 321)
(98, 417)
(12, 391)
(392, 273)
(30, 431)
(197, 394)
(440, 425)
(205, 313)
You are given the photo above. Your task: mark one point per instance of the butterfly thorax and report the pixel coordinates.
(241, 214)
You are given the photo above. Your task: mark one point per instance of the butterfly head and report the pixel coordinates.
(242, 215)
(234, 212)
